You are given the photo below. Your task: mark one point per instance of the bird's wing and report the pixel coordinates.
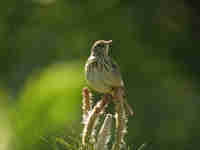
(114, 78)
(113, 75)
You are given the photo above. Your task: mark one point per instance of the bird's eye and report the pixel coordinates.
(100, 45)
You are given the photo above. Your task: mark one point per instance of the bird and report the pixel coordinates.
(102, 73)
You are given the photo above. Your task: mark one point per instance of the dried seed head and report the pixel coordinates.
(104, 134)
(86, 104)
(93, 115)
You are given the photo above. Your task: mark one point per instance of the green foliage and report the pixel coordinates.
(49, 101)
(155, 42)
(5, 127)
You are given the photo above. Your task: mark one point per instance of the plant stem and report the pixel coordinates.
(93, 116)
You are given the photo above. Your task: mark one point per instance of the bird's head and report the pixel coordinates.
(100, 48)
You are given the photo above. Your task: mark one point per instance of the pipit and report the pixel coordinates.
(102, 72)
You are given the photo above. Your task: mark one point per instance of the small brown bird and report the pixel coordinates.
(102, 72)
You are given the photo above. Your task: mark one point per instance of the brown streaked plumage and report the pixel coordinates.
(102, 72)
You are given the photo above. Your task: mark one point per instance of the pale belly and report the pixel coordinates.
(96, 80)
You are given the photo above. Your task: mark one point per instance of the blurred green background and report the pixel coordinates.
(45, 43)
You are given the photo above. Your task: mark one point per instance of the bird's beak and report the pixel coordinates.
(108, 45)
(108, 42)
